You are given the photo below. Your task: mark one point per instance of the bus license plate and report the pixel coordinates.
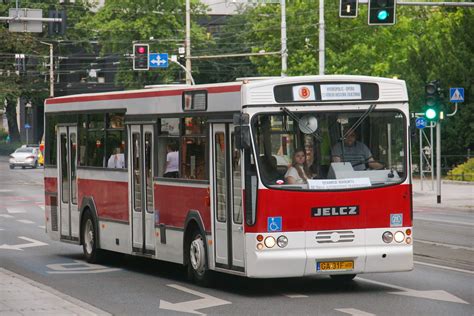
(335, 266)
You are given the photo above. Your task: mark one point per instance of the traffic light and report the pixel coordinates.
(348, 8)
(382, 12)
(432, 109)
(140, 56)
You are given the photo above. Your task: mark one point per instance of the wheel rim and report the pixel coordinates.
(197, 255)
(88, 236)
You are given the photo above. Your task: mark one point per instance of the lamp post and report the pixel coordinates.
(28, 106)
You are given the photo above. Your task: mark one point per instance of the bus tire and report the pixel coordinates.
(343, 278)
(197, 265)
(89, 239)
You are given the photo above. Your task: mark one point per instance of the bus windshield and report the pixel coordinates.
(330, 150)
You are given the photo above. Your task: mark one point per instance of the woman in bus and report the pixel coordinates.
(299, 172)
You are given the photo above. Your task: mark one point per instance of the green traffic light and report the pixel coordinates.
(382, 15)
(430, 114)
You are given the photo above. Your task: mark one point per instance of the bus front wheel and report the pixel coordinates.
(89, 239)
(197, 260)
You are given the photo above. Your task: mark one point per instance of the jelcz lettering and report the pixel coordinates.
(335, 211)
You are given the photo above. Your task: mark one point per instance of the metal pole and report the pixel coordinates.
(321, 37)
(438, 162)
(284, 54)
(421, 159)
(51, 71)
(187, 43)
(432, 155)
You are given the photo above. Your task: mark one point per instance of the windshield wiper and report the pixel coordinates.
(358, 122)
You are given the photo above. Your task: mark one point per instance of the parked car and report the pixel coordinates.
(24, 157)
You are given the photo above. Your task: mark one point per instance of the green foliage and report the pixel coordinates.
(463, 172)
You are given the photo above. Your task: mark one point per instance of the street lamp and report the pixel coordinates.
(28, 106)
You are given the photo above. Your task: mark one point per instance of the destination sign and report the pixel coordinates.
(340, 92)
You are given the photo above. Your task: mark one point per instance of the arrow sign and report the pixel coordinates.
(32, 243)
(420, 122)
(158, 60)
(205, 301)
(438, 295)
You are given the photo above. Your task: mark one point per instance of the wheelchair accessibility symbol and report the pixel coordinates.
(274, 224)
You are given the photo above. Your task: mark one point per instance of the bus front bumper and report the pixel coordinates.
(308, 254)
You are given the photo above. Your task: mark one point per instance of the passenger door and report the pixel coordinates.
(227, 198)
(141, 188)
(67, 182)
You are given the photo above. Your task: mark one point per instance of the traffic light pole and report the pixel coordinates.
(438, 162)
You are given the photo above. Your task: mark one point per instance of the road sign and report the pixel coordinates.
(456, 95)
(158, 60)
(27, 126)
(420, 122)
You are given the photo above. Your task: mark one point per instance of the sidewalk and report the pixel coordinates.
(455, 195)
(22, 296)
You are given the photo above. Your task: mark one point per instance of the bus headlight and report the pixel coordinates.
(270, 242)
(399, 236)
(282, 241)
(387, 237)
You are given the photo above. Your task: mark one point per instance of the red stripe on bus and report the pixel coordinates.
(137, 95)
(50, 184)
(174, 204)
(375, 207)
(110, 197)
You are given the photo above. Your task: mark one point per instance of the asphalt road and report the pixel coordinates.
(441, 284)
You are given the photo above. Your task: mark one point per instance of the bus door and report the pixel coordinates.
(141, 187)
(227, 198)
(67, 182)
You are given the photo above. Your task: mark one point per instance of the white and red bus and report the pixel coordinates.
(227, 206)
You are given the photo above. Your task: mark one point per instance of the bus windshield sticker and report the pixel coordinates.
(341, 92)
(396, 220)
(338, 183)
(274, 224)
(304, 93)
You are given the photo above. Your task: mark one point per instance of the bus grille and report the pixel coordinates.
(335, 236)
(54, 214)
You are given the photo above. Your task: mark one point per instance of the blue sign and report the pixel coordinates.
(456, 95)
(274, 224)
(421, 122)
(396, 220)
(158, 60)
(27, 126)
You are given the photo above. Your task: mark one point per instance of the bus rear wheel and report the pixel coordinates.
(197, 260)
(89, 240)
(343, 278)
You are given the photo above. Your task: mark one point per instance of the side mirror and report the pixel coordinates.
(242, 137)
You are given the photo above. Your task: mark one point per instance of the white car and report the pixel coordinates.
(24, 157)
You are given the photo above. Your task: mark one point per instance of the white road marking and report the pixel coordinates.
(205, 301)
(2, 229)
(294, 295)
(6, 216)
(439, 295)
(444, 245)
(32, 243)
(25, 221)
(42, 227)
(443, 267)
(15, 210)
(5, 190)
(354, 312)
(78, 267)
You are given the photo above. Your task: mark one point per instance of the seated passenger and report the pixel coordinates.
(298, 173)
(270, 172)
(116, 160)
(355, 152)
